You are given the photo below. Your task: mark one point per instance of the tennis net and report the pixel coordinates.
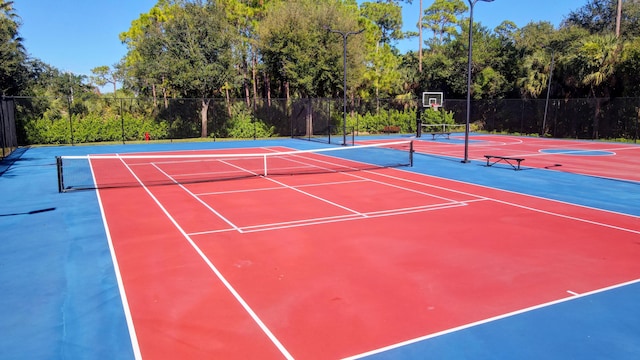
(126, 170)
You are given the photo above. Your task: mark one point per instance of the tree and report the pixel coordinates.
(442, 18)
(302, 58)
(198, 53)
(388, 18)
(532, 42)
(143, 67)
(536, 74)
(629, 76)
(596, 59)
(12, 53)
(103, 75)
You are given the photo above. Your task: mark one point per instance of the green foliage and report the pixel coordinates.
(388, 18)
(439, 116)
(243, 125)
(13, 74)
(442, 18)
(375, 123)
(92, 128)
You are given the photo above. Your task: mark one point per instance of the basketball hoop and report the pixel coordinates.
(433, 100)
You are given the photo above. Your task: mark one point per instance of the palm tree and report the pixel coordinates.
(536, 76)
(597, 58)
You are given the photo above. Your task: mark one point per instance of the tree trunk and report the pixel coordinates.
(228, 100)
(164, 95)
(596, 121)
(203, 117)
(155, 95)
(309, 118)
(596, 115)
(618, 18)
(254, 76)
(286, 90)
(245, 81)
(267, 86)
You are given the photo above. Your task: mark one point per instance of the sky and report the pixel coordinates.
(79, 35)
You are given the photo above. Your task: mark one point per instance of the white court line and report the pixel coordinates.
(306, 193)
(340, 218)
(123, 294)
(373, 180)
(217, 272)
(259, 228)
(278, 187)
(198, 199)
(489, 320)
(530, 196)
(567, 216)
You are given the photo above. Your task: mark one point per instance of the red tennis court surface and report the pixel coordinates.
(332, 265)
(609, 160)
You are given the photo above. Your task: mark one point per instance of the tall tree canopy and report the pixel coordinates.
(12, 52)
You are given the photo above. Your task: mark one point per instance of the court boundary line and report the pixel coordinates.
(312, 162)
(509, 191)
(215, 270)
(541, 210)
(541, 144)
(116, 267)
(377, 181)
(489, 320)
(300, 191)
(307, 222)
(193, 195)
(318, 221)
(276, 188)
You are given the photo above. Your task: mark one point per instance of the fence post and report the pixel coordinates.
(122, 120)
(69, 100)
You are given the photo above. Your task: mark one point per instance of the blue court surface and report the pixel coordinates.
(61, 298)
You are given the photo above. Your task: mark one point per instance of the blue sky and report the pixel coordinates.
(78, 35)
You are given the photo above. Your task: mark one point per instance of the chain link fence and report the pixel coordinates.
(93, 119)
(8, 135)
(611, 119)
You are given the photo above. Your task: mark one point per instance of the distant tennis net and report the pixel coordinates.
(125, 170)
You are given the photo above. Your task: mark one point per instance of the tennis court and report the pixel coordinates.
(243, 250)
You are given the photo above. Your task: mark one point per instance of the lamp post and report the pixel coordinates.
(344, 34)
(466, 130)
(546, 104)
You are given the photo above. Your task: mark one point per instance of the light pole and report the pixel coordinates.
(546, 104)
(466, 130)
(344, 34)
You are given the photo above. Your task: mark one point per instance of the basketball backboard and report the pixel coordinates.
(432, 99)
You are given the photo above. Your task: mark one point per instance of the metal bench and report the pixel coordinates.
(440, 133)
(391, 129)
(493, 159)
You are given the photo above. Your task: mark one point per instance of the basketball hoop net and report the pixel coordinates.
(435, 106)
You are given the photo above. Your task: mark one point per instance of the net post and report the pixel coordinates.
(411, 153)
(265, 164)
(60, 176)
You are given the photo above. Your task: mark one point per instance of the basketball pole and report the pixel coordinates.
(466, 130)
